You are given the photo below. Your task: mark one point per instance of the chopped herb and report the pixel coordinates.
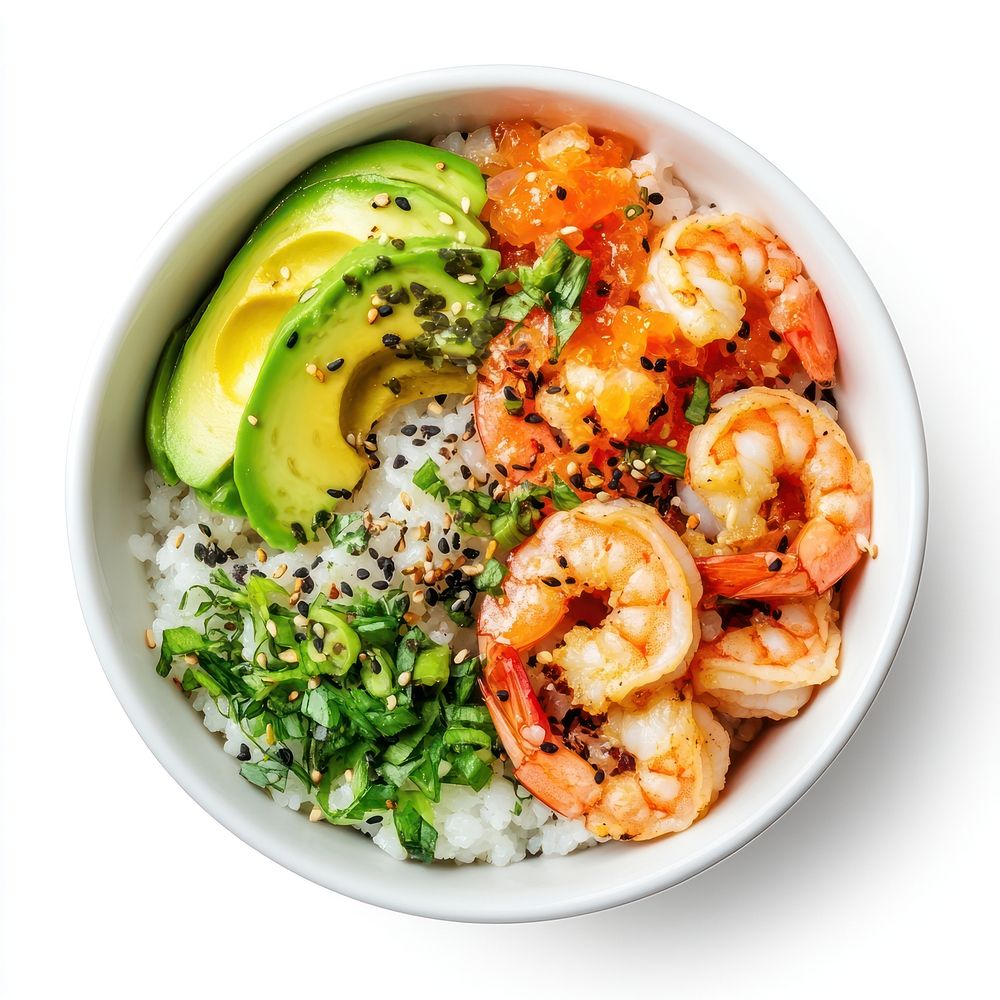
(428, 479)
(489, 581)
(697, 408)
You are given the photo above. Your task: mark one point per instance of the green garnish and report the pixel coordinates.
(555, 283)
(563, 495)
(488, 582)
(660, 457)
(429, 480)
(697, 408)
(348, 531)
(634, 211)
(338, 704)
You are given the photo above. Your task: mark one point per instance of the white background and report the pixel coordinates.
(882, 880)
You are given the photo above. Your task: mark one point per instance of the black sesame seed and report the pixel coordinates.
(389, 339)
(205, 530)
(646, 363)
(315, 562)
(298, 532)
(302, 607)
(308, 585)
(577, 480)
(386, 310)
(346, 588)
(380, 585)
(431, 597)
(582, 449)
(409, 430)
(776, 337)
(551, 581)
(660, 365)
(548, 747)
(403, 203)
(199, 551)
(510, 394)
(362, 573)
(533, 418)
(399, 461)
(602, 288)
(599, 776)
(502, 469)
(293, 339)
(300, 637)
(773, 567)
(783, 544)
(301, 572)
(561, 192)
(285, 756)
(443, 547)
(655, 198)
(429, 430)
(730, 347)
(334, 365)
(419, 442)
(563, 561)
(645, 244)
(244, 753)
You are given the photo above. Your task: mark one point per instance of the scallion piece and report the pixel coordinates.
(697, 408)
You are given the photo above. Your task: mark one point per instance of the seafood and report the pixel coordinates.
(669, 761)
(759, 440)
(621, 549)
(769, 667)
(704, 270)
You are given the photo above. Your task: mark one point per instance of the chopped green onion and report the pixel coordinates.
(431, 666)
(428, 479)
(563, 495)
(697, 408)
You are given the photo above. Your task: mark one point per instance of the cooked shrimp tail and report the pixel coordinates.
(542, 763)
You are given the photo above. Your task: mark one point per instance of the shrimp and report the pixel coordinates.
(532, 414)
(770, 667)
(706, 267)
(621, 549)
(758, 440)
(654, 768)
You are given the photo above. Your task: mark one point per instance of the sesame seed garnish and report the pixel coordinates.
(272, 629)
(150, 639)
(468, 279)
(439, 165)
(461, 655)
(372, 315)
(289, 656)
(466, 204)
(380, 200)
(390, 702)
(261, 556)
(269, 735)
(404, 678)
(446, 218)
(461, 235)
(533, 734)
(406, 500)
(178, 541)
(252, 420)
(308, 294)
(262, 660)
(566, 230)
(315, 815)
(315, 776)
(280, 571)
(543, 656)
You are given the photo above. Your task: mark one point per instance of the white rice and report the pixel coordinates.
(492, 825)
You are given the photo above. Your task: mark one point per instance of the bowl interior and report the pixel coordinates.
(107, 462)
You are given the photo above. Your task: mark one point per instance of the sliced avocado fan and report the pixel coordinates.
(338, 362)
(306, 234)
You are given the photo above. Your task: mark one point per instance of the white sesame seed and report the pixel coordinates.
(466, 204)
(272, 629)
(289, 656)
(467, 279)
(308, 294)
(372, 315)
(313, 683)
(404, 678)
(390, 702)
(280, 571)
(531, 177)
(310, 369)
(319, 630)
(638, 463)
(543, 656)
(566, 230)
(348, 775)
(251, 420)
(602, 496)
(406, 500)
(435, 407)
(150, 639)
(461, 655)
(262, 660)
(461, 235)
(269, 737)
(300, 620)
(315, 776)
(439, 165)
(446, 218)
(351, 440)
(470, 368)
(381, 200)
(179, 540)
(316, 815)
(261, 555)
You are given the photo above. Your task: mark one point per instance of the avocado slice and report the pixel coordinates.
(401, 160)
(293, 459)
(297, 243)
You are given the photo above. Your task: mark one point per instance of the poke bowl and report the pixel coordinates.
(361, 480)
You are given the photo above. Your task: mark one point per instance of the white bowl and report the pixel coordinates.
(106, 464)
